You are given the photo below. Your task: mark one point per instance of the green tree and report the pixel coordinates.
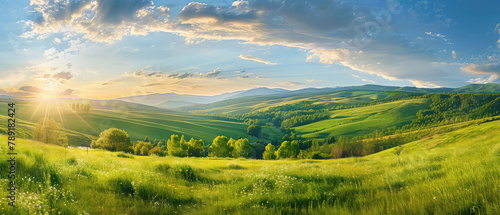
(270, 152)
(220, 147)
(146, 139)
(242, 148)
(294, 148)
(177, 146)
(254, 130)
(50, 131)
(397, 151)
(285, 150)
(114, 139)
(142, 148)
(196, 148)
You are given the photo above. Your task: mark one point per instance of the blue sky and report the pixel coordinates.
(115, 48)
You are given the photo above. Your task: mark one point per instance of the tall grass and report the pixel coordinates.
(453, 173)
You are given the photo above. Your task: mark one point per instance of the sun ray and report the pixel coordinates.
(86, 123)
(60, 116)
(36, 109)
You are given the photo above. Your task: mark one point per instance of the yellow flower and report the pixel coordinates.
(180, 170)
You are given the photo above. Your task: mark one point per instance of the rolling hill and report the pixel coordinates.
(452, 173)
(364, 120)
(137, 120)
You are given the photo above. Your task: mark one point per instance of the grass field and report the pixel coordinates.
(137, 120)
(452, 173)
(258, 103)
(364, 120)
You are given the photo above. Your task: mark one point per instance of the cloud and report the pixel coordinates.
(329, 30)
(454, 54)
(312, 81)
(290, 83)
(491, 69)
(243, 77)
(63, 76)
(256, 59)
(212, 74)
(36, 90)
(98, 20)
(261, 77)
(362, 79)
(146, 73)
(240, 71)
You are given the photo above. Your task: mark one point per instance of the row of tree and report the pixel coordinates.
(84, 106)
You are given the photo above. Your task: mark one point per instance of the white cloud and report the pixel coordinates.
(362, 79)
(290, 84)
(454, 54)
(491, 69)
(301, 24)
(256, 59)
(312, 81)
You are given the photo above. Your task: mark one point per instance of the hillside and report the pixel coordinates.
(452, 173)
(137, 120)
(324, 95)
(364, 120)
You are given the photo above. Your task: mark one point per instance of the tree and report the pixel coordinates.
(285, 150)
(330, 140)
(397, 151)
(142, 148)
(114, 139)
(241, 148)
(220, 147)
(50, 131)
(270, 152)
(177, 146)
(294, 148)
(146, 139)
(254, 130)
(196, 148)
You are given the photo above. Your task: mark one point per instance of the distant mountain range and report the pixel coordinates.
(173, 100)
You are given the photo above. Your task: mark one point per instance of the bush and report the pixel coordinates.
(123, 155)
(184, 171)
(113, 139)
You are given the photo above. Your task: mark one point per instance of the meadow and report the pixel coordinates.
(452, 173)
(364, 120)
(138, 120)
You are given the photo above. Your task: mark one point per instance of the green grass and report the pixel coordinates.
(259, 103)
(452, 173)
(137, 120)
(364, 120)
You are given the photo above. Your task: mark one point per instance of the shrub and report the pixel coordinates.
(123, 155)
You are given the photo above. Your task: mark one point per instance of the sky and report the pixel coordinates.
(105, 49)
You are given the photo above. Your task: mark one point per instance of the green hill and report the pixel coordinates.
(364, 120)
(479, 88)
(137, 120)
(452, 173)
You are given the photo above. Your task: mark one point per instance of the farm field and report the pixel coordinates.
(452, 173)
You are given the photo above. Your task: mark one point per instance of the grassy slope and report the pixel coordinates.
(364, 120)
(137, 120)
(256, 103)
(453, 173)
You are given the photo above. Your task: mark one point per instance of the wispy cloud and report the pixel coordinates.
(363, 79)
(256, 59)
